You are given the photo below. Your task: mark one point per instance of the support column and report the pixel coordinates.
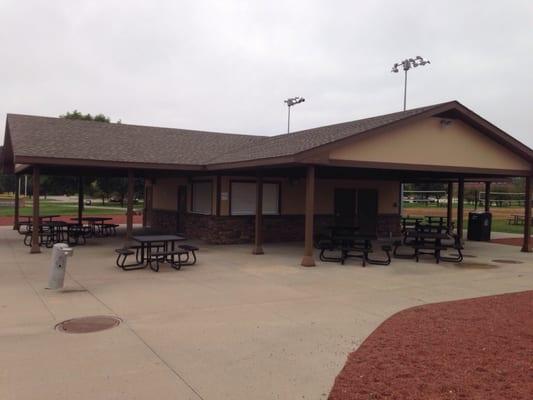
(147, 188)
(526, 248)
(308, 259)
(258, 244)
(487, 197)
(17, 200)
(460, 207)
(129, 211)
(449, 206)
(36, 223)
(80, 199)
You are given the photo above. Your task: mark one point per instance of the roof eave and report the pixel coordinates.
(65, 162)
(261, 162)
(494, 132)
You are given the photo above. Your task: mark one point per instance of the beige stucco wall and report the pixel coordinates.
(427, 142)
(165, 193)
(293, 194)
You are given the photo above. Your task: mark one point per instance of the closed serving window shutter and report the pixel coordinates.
(201, 198)
(270, 198)
(243, 198)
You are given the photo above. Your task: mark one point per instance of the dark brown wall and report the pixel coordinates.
(240, 229)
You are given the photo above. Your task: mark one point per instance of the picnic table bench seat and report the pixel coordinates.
(122, 254)
(168, 257)
(110, 229)
(190, 249)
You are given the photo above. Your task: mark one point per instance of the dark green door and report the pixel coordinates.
(367, 210)
(345, 201)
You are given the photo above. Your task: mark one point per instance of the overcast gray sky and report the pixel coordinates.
(228, 65)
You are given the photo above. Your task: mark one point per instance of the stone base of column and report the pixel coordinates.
(308, 261)
(258, 251)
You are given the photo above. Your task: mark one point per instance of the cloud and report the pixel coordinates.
(228, 66)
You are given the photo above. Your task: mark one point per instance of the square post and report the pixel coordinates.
(36, 223)
(526, 248)
(487, 196)
(449, 206)
(16, 220)
(145, 210)
(258, 241)
(80, 199)
(129, 210)
(308, 259)
(460, 207)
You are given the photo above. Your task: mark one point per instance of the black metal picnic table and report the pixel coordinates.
(148, 241)
(29, 218)
(352, 244)
(94, 223)
(26, 220)
(431, 241)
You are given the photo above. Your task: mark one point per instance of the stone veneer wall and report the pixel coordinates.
(164, 221)
(240, 229)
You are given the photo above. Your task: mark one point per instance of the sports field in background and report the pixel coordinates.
(500, 215)
(67, 208)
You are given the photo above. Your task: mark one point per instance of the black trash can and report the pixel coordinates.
(479, 225)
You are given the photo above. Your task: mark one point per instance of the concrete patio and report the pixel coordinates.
(235, 326)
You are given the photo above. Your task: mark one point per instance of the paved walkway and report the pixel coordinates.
(235, 326)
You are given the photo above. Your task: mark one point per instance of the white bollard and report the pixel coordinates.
(59, 265)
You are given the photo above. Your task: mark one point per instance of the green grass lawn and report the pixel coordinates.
(60, 208)
(501, 225)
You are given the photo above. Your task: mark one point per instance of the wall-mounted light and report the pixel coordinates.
(444, 123)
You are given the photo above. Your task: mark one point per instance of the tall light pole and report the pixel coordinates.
(406, 65)
(290, 102)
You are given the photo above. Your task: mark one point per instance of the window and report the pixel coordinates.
(202, 198)
(243, 198)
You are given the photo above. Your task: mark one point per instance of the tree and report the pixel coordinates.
(85, 117)
(8, 183)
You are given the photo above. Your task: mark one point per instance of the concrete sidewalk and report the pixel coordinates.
(235, 326)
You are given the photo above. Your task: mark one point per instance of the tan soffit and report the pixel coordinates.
(432, 142)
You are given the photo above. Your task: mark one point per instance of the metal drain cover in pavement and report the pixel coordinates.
(507, 261)
(476, 265)
(88, 324)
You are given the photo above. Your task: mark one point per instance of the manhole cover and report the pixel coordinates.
(88, 324)
(503, 261)
(476, 265)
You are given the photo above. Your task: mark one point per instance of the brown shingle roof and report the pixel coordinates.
(297, 142)
(74, 139)
(98, 142)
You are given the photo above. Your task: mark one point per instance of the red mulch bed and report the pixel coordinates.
(117, 219)
(478, 349)
(515, 241)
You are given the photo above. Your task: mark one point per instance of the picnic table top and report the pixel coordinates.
(356, 236)
(92, 218)
(56, 223)
(40, 216)
(432, 235)
(158, 238)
